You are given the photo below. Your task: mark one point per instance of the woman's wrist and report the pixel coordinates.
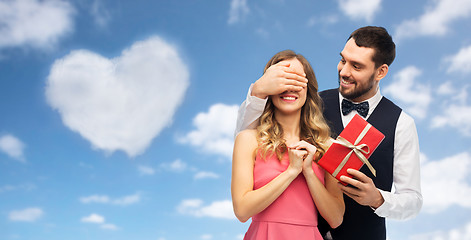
(308, 172)
(292, 171)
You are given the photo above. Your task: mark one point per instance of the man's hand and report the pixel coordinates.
(277, 79)
(365, 191)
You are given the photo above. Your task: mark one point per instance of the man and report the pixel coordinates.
(365, 61)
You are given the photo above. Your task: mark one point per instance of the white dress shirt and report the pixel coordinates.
(405, 200)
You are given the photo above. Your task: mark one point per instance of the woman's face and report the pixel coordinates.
(291, 102)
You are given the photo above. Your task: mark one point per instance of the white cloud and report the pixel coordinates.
(445, 182)
(456, 113)
(26, 215)
(445, 88)
(360, 9)
(456, 116)
(203, 175)
(461, 62)
(217, 209)
(214, 131)
(179, 166)
(127, 200)
(12, 146)
(120, 103)
(25, 187)
(206, 237)
(239, 9)
(109, 226)
(34, 23)
(123, 201)
(189, 204)
(85, 165)
(262, 32)
(95, 199)
(93, 218)
(436, 20)
(98, 219)
(145, 170)
(176, 166)
(415, 96)
(323, 20)
(451, 94)
(99, 13)
(460, 233)
(7, 188)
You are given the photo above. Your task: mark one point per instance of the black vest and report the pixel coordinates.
(360, 222)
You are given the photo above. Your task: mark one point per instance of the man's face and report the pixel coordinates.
(357, 73)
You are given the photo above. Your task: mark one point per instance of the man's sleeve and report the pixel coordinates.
(249, 112)
(405, 201)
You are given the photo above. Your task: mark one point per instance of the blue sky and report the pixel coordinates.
(117, 117)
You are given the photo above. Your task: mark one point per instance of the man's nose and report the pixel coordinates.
(345, 71)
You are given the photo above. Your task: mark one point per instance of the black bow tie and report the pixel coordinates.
(361, 108)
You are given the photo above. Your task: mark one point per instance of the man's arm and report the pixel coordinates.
(406, 201)
(249, 111)
(277, 79)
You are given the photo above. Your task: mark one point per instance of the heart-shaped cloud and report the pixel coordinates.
(120, 103)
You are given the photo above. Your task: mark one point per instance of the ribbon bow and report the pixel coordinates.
(359, 150)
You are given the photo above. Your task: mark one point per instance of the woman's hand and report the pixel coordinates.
(309, 158)
(327, 197)
(296, 160)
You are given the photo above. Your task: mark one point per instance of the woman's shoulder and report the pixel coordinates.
(248, 134)
(245, 143)
(247, 138)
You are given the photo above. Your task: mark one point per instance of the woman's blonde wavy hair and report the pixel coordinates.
(313, 127)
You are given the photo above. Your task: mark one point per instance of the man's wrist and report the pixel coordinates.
(257, 92)
(379, 201)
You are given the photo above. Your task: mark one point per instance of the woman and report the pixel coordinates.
(275, 179)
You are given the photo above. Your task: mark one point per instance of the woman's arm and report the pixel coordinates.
(328, 198)
(246, 201)
(331, 205)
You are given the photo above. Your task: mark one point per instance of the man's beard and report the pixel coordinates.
(359, 90)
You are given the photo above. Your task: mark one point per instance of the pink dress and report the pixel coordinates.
(293, 214)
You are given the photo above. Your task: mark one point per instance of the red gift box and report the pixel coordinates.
(352, 148)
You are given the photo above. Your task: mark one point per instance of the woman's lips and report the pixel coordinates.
(288, 98)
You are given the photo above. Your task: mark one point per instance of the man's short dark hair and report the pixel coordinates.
(379, 39)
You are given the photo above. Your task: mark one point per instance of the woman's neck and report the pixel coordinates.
(290, 125)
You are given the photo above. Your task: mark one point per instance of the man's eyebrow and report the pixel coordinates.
(358, 63)
(354, 62)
